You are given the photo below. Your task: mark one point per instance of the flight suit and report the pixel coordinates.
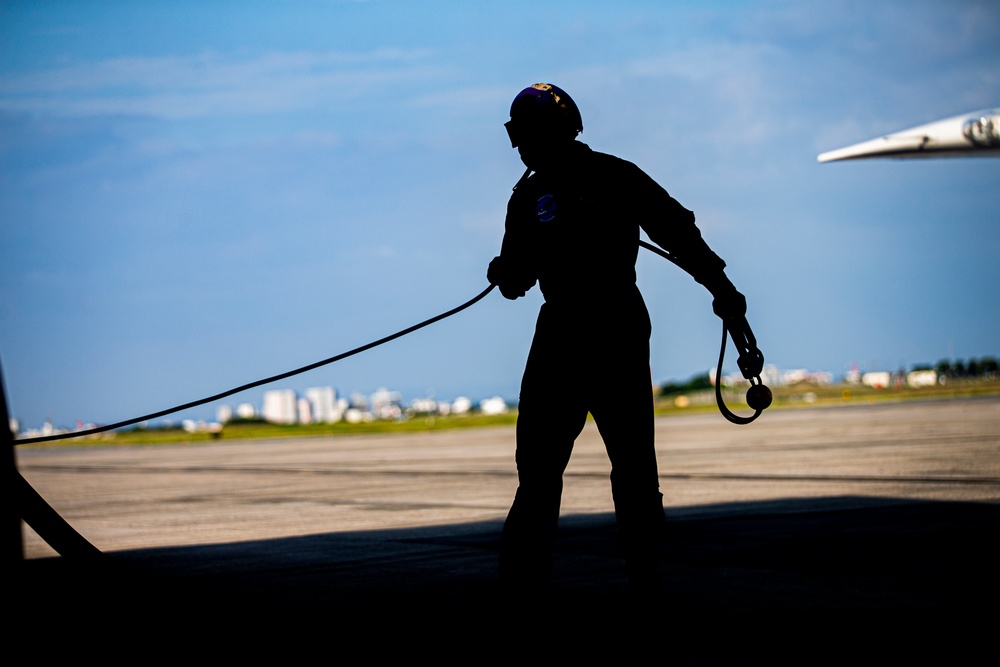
(575, 231)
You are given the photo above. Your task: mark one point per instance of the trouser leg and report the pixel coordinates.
(545, 437)
(625, 420)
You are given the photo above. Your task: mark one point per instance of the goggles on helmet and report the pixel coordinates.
(520, 132)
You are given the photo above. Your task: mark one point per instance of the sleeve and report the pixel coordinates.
(673, 228)
(512, 270)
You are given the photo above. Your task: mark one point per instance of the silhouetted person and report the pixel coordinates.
(573, 226)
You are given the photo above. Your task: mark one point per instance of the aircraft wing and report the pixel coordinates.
(973, 134)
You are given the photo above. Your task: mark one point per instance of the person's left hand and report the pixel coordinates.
(728, 302)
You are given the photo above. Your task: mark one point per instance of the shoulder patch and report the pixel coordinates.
(546, 208)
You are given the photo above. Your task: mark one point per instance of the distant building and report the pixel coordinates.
(280, 406)
(359, 401)
(924, 378)
(201, 426)
(303, 411)
(386, 404)
(425, 406)
(876, 379)
(246, 411)
(224, 414)
(356, 416)
(324, 405)
(801, 375)
(493, 406)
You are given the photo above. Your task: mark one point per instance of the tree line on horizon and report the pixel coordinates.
(984, 368)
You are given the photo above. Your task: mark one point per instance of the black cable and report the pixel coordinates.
(251, 385)
(128, 422)
(747, 341)
(734, 418)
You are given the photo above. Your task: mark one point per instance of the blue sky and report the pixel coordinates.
(197, 195)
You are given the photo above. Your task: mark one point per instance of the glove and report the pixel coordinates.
(730, 306)
(728, 303)
(510, 283)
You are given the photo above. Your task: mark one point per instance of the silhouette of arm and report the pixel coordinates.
(673, 228)
(511, 270)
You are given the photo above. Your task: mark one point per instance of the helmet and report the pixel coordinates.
(543, 109)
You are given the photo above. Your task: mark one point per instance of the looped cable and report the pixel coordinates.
(754, 380)
(751, 361)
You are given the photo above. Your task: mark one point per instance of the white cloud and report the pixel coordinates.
(210, 84)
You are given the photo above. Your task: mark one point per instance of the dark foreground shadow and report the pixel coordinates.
(830, 576)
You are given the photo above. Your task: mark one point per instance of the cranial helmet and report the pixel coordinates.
(543, 109)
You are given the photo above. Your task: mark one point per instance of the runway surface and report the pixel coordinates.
(844, 529)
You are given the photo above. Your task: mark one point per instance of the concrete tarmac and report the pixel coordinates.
(858, 531)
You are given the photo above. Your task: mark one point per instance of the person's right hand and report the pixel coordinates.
(500, 275)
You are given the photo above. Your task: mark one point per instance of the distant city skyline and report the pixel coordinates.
(284, 405)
